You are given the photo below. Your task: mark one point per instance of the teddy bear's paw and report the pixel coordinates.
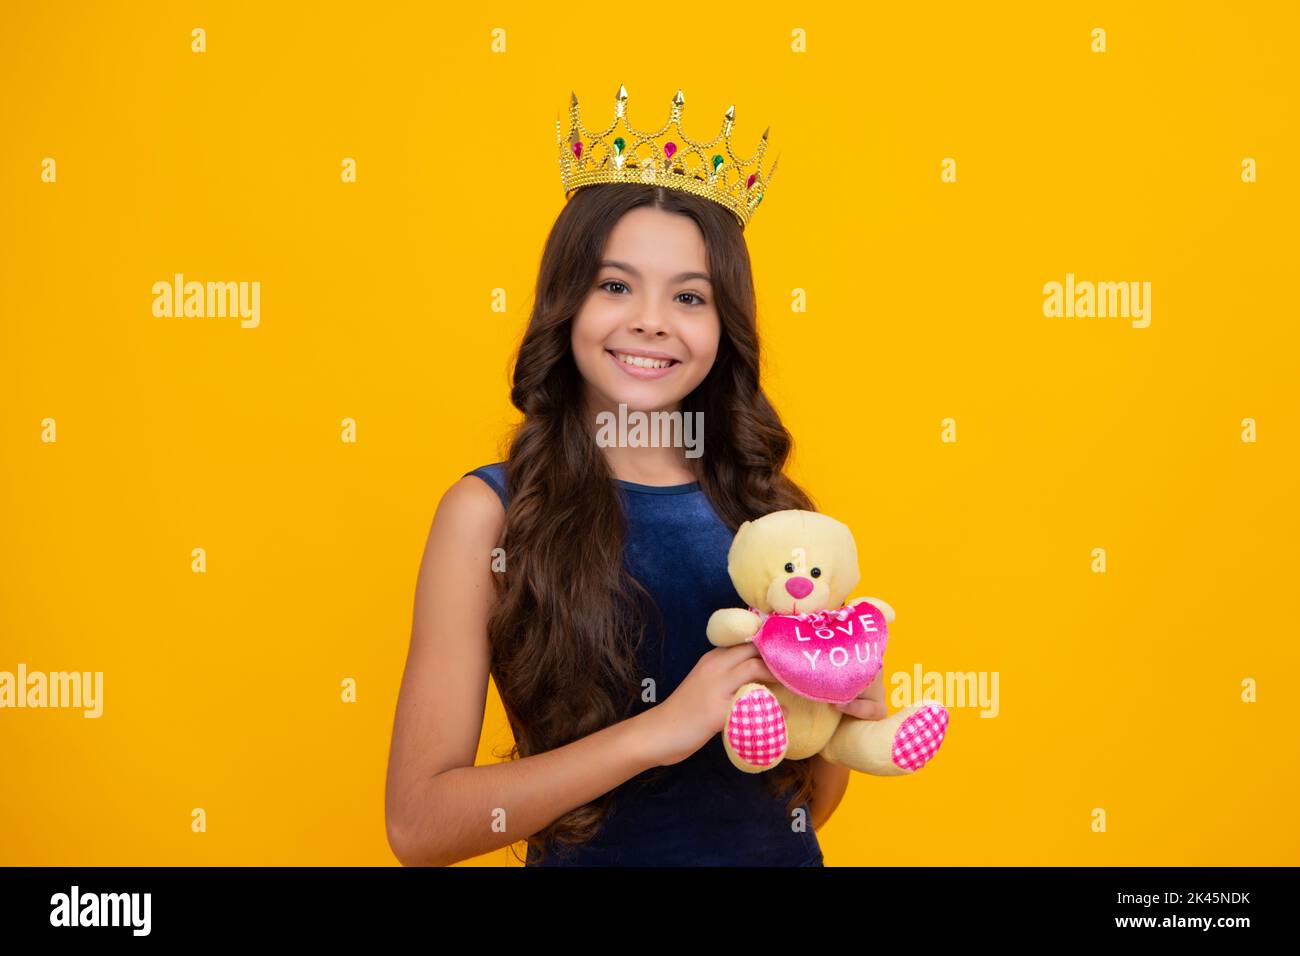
(919, 736)
(756, 732)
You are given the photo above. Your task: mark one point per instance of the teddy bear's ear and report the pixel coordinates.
(738, 542)
(845, 550)
(743, 563)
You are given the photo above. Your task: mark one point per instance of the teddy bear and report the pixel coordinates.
(795, 569)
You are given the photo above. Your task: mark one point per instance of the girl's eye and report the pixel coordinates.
(789, 568)
(615, 282)
(816, 572)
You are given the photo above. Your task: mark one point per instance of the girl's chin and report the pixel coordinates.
(641, 402)
(644, 396)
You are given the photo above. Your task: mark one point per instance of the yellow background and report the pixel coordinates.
(1119, 691)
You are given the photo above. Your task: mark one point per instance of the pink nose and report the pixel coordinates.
(799, 587)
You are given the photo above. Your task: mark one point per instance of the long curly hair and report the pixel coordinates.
(568, 619)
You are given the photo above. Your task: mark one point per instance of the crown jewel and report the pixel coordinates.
(663, 157)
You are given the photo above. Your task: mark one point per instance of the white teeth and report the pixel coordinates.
(641, 361)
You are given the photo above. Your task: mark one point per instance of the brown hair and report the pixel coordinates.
(568, 619)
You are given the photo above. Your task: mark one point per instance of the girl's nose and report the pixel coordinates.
(799, 587)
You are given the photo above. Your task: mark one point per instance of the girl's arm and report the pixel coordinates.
(440, 808)
(830, 780)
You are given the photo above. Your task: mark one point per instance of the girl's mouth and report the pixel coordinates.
(639, 366)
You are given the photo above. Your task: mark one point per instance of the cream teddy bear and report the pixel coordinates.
(795, 569)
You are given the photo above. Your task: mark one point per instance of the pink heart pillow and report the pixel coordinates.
(829, 656)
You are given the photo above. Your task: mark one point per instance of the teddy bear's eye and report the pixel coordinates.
(789, 567)
(816, 572)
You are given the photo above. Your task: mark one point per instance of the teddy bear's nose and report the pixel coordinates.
(799, 587)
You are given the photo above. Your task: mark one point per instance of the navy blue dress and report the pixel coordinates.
(701, 811)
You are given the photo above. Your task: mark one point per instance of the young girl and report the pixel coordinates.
(614, 558)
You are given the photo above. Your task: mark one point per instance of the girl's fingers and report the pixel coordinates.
(751, 667)
(735, 654)
(742, 662)
(755, 669)
(864, 708)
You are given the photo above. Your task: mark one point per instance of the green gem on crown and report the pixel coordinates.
(619, 143)
(717, 161)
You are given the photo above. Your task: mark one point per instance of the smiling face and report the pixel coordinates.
(648, 331)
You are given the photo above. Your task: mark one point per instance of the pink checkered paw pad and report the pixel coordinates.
(756, 728)
(919, 737)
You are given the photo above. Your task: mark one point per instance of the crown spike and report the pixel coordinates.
(771, 174)
(665, 157)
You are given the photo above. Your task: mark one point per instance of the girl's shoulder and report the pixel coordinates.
(468, 515)
(494, 475)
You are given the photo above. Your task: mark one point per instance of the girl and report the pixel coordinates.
(614, 558)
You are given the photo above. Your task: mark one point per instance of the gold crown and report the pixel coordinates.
(678, 162)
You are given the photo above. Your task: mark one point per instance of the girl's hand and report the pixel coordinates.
(698, 709)
(868, 705)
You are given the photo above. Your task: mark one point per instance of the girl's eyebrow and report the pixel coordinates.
(627, 268)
